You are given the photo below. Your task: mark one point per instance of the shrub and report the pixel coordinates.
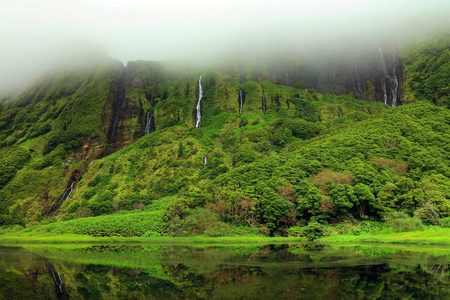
(400, 221)
(446, 222)
(313, 231)
(102, 204)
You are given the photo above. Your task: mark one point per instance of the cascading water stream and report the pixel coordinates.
(64, 197)
(198, 122)
(395, 83)
(148, 126)
(241, 102)
(205, 160)
(339, 112)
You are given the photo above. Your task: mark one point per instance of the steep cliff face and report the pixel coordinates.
(375, 75)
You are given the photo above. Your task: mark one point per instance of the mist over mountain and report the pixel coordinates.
(36, 37)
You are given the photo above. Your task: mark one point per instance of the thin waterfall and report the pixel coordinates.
(148, 126)
(264, 103)
(385, 73)
(64, 197)
(339, 112)
(198, 122)
(241, 102)
(395, 82)
(205, 160)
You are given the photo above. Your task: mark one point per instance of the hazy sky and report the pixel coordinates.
(38, 34)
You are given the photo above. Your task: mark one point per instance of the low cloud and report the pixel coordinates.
(36, 36)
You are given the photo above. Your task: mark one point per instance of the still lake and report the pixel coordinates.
(248, 271)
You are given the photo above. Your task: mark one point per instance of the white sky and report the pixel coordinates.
(36, 34)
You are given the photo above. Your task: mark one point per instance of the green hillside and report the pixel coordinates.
(293, 161)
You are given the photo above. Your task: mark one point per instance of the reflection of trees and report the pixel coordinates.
(439, 267)
(273, 272)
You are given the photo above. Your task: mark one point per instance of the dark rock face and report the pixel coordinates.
(376, 76)
(119, 96)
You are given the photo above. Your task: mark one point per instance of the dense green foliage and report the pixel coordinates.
(427, 66)
(306, 161)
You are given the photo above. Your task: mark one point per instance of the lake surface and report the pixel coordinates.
(280, 271)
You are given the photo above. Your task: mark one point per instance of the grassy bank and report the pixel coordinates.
(43, 237)
(428, 236)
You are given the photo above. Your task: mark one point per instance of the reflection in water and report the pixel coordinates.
(60, 289)
(222, 272)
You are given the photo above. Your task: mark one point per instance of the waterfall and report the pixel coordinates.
(264, 103)
(198, 122)
(385, 73)
(241, 102)
(339, 112)
(205, 160)
(64, 197)
(148, 126)
(395, 83)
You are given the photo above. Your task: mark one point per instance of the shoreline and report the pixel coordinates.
(425, 237)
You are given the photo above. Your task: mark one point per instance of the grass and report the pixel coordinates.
(430, 236)
(46, 237)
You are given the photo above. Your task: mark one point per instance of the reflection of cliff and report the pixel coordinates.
(244, 272)
(60, 288)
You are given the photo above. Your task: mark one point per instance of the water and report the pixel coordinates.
(198, 122)
(339, 112)
(278, 271)
(205, 160)
(63, 198)
(148, 126)
(394, 81)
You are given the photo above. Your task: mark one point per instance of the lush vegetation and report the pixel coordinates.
(226, 271)
(427, 65)
(308, 164)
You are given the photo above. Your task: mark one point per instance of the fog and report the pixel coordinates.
(37, 36)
